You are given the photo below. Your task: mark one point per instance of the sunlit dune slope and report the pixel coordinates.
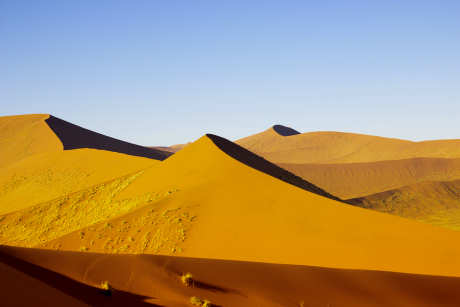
(25, 135)
(74, 137)
(339, 147)
(433, 202)
(226, 209)
(351, 180)
(225, 283)
(43, 177)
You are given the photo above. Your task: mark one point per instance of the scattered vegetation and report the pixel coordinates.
(187, 279)
(196, 301)
(106, 288)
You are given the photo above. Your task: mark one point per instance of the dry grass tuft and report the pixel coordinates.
(200, 302)
(187, 279)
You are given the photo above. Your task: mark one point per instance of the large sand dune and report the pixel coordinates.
(258, 234)
(218, 207)
(148, 280)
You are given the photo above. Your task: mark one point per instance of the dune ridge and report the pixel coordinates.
(352, 180)
(224, 209)
(74, 137)
(437, 203)
(341, 147)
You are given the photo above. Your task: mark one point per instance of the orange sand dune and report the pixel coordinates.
(75, 277)
(279, 146)
(25, 135)
(434, 202)
(351, 180)
(219, 207)
(43, 177)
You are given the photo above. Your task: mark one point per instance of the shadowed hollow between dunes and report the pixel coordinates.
(74, 137)
(224, 283)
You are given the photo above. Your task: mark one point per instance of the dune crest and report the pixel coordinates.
(74, 137)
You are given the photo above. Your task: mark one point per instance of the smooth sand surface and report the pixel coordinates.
(221, 208)
(351, 180)
(25, 135)
(141, 279)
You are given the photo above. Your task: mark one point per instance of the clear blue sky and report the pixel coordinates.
(165, 72)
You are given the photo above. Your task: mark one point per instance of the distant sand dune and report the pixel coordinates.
(434, 202)
(340, 147)
(351, 180)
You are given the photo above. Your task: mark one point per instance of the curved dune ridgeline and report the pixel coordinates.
(436, 203)
(88, 220)
(351, 180)
(74, 278)
(340, 147)
(221, 208)
(74, 137)
(252, 160)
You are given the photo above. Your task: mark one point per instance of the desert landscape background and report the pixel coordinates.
(230, 153)
(279, 218)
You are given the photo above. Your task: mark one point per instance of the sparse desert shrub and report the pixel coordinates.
(106, 288)
(199, 302)
(187, 279)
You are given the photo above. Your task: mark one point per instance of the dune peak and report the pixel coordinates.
(284, 131)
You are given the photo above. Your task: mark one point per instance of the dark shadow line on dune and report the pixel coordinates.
(80, 291)
(252, 160)
(75, 137)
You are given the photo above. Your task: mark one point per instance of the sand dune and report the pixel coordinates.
(339, 147)
(43, 177)
(285, 240)
(434, 202)
(223, 282)
(351, 180)
(74, 137)
(221, 208)
(25, 135)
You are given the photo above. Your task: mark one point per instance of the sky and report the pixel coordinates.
(167, 72)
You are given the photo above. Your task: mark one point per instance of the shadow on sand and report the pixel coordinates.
(89, 295)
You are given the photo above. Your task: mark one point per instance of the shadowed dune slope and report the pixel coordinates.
(433, 202)
(25, 135)
(74, 277)
(222, 208)
(252, 160)
(43, 177)
(351, 180)
(74, 137)
(339, 147)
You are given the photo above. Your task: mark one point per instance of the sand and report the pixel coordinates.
(142, 279)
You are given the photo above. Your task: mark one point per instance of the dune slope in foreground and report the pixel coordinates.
(74, 279)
